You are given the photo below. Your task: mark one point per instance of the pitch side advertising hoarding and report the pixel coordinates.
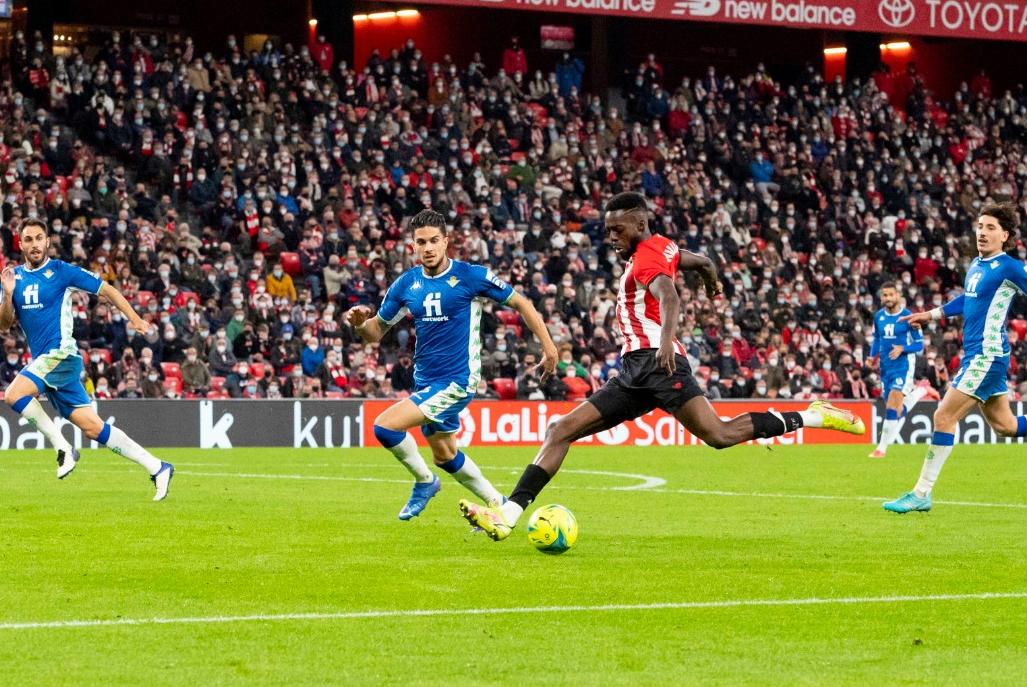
(999, 20)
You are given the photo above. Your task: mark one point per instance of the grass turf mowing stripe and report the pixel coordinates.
(430, 612)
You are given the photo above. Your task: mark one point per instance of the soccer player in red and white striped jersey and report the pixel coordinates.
(654, 370)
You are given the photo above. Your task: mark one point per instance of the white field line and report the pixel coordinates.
(515, 610)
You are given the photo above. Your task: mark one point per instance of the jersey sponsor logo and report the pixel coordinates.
(30, 297)
(889, 331)
(433, 308)
(971, 284)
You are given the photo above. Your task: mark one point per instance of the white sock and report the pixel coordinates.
(120, 443)
(407, 454)
(38, 418)
(811, 418)
(933, 463)
(511, 512)
(888, 433)
(914, 398)
(469, 474)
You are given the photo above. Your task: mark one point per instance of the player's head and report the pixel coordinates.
(35, 242)
(430, 240)
(627, 222)
(889, 295)
(997, 226)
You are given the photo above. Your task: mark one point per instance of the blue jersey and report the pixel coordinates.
(988, 291)
(889, 332)
(447, 318)
(42, 304)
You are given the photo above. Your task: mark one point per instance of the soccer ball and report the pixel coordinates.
(552, 529)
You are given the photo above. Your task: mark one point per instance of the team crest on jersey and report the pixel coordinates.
(452, 281)
(994, 265)
(48, 273)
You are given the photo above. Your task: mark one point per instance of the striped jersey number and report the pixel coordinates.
(433, 305)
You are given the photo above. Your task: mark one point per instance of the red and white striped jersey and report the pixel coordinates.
(638, 311)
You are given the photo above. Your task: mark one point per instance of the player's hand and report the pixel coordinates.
(917, 319)
(358, 315)
(896, 351)
(8, 280)
(141, 326)
(714, 288)
(546, 367)
(665, 358)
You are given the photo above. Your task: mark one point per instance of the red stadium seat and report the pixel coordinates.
(1019, 325)
(516, 329)
(506, 388)
(217, 383)
(508, 316)
(172, 371)
(257, 370)
(144, 298)
(173, 383)
(216, 395)
(577, 388)
(291, 264)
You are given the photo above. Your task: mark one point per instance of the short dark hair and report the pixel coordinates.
(33, 222)
(428, 218)
(627, 201)
(888, 285)
(1007, 215)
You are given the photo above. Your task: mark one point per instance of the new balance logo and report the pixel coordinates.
(31, 294)
(669, 252)
(696, 8)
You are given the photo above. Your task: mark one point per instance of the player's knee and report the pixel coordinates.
(560, 432)
(94, 429)
(388, 437)
(10, 398)
(715, 437)
(943, 420)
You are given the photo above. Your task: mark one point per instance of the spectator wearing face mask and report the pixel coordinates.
(10, 367)
(403, 374)
(312, 357)
(152, 388)
(195, 373)
(222, 359)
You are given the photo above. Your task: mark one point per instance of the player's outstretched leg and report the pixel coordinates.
(498, 521)
(123, 445)
(426, 484)
(21, 397)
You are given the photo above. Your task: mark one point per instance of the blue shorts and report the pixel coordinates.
(59, 375)
(900, 379)
(441, 403)
(982, 377)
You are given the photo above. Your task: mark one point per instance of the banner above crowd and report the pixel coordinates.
(998, 20)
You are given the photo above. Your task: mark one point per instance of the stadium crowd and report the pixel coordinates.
(243, 201)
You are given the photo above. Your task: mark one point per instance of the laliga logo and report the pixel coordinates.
(468, 428)
(896, 13)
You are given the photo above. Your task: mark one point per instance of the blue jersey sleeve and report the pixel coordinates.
(954, 307)
(82, 279)
(1017, 273)
(875, 345)
(487, 284)
(393, 309)
(914, 340)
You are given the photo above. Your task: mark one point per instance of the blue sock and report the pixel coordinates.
(20, 404)
(1021, 426)
(105, 435)
(388, 437)
(943, 439)
(453, 466)
(890, 414)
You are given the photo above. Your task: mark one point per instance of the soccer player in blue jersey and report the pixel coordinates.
(444, 297)
(38, 295)
(895, 345)
(992, 281)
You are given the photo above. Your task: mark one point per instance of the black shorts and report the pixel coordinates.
(643, 386)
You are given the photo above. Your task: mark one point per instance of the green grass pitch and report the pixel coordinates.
(289, 567)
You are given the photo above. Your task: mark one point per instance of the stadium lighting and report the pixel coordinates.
(896, 45)
(408, 13)
(377, 16)
(836, 51)
(313, 23)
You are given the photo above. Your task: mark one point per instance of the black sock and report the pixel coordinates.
(533, 480)
(766, 425)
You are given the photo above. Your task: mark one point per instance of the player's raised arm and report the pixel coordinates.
(121, 303)
(367, 324)
(693, 262)
(950, 309)
(7, 306)
(533, 318)
(670, 307)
